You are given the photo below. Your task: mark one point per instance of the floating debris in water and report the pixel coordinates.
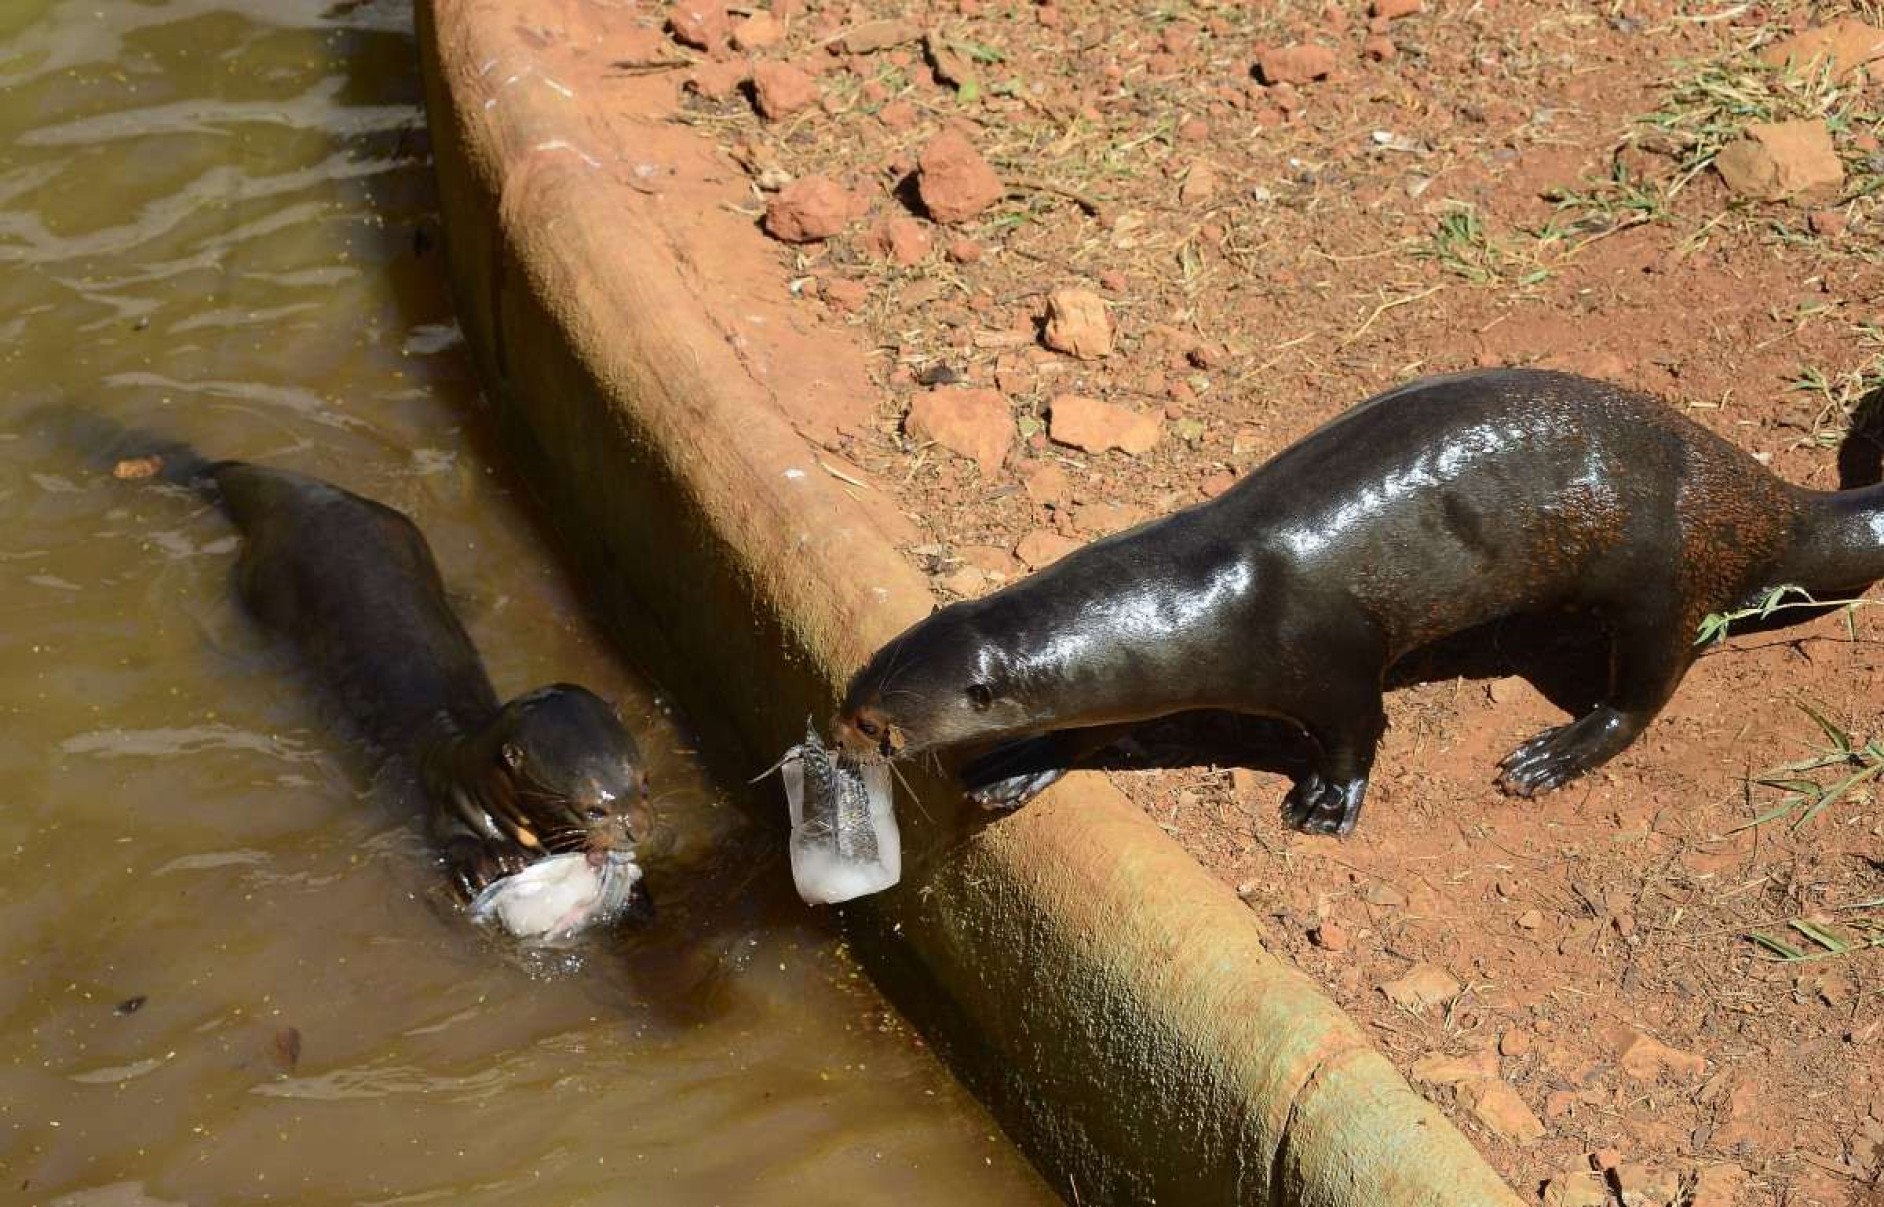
(844, 841)
(558, 897)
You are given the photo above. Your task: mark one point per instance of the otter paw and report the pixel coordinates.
(1014, 791)
(473, 866)
(1549, 760)
(1321, 806)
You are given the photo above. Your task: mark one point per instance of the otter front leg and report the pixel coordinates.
(1013, 773)
(1648, 657)
(474, 863)
(1328, 799)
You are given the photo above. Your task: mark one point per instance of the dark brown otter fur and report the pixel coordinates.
(352, 585)
(1420, 513)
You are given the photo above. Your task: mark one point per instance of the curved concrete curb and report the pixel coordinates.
(1110, 1001)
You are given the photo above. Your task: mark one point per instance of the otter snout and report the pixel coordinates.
(865, 731)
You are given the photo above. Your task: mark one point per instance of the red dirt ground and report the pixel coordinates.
(1471, 183)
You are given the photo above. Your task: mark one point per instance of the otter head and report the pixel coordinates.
(568, 771)
(943, 682)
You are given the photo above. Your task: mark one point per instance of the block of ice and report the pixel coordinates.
(844, 841)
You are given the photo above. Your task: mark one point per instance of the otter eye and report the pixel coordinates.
(867, 727)
(595, 813)
(980, 695)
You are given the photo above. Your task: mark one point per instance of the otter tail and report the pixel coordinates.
(129, 453)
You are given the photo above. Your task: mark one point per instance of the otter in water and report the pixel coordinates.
(1423, 512)
(352, 584)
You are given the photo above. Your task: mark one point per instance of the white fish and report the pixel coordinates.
(844, 841)
(560, 896)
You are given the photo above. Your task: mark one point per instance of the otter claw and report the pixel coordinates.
(1547, 761)
(1014, 791)
(1321, 806)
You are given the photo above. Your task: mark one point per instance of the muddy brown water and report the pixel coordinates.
(228, 972)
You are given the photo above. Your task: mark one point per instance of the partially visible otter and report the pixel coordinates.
(1420, 513)
(352, 584)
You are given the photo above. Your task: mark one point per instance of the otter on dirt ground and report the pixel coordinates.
(1420, 513)
(352, 585)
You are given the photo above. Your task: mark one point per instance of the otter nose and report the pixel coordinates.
(864, 730)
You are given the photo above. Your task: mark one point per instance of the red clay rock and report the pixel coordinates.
(807, 210)
(1041, 547)
(1094, 426)
(1330, 936)
(1422, 985)
(1295, 64)
(757, 32)
(1077, 324)
(1200, 184)
(1379, 48)
(1781, 160)
(1046, 483)
(844, 293)
(954, 181)
(1645, 1186)
(899, 239)
(1717, 1186)
(701, 24)
(1828, 224)
(965, 251)
(1499, 1108)
(1646, 1058)
(1514, 1042)
(1577, 1188)
(1104, 519)
(972, 423)
(1193, 129)
(873, 36)
(1847, 44)
(897, 115)
(1440, 1069)
(780, 90)
(1393, 10)
(718, 81)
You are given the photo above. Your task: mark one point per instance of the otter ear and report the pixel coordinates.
(513, 756)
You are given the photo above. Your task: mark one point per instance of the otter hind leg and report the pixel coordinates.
(1650, 652)
(1013, 773)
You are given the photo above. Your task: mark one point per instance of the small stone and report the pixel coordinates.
(1042, 547)
(1193, 129)
(1104, 519)
(1094, 426)
(1605, 1159)
(1516, 1041)
(1384, 895)
(1499, 1108)
(900, 239)
(1330, 936)
(1827, 224)
(897, 115)
(758, 32)
(780, 90)
(1422, 985)
(1559, 1104)
(1645, 1186)
(1112, 281)
(1216, 484)
(718, 81)
(1295, 64)
(1781, 160)
(1439, 1069)
(954, 181)
(1379, 48)
(1246, 785)
(1846, 44)
(1393, 10)
(808, 209)
(1530, 919)
(1200, 184)
(1507, 690)
(991, 560)
(872, 36)
(1648, 1059)
(964, 582)
(974, 423)
(1046, 484)
(1077, 324)
(1717, 1186)
(700, 24)
(965, 251)
(1578, 1188)
(844, 293)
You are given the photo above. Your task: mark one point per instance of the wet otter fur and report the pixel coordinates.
(352, 584)
(1423, 512)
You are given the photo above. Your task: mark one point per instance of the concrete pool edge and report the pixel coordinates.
(1111, 1001)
